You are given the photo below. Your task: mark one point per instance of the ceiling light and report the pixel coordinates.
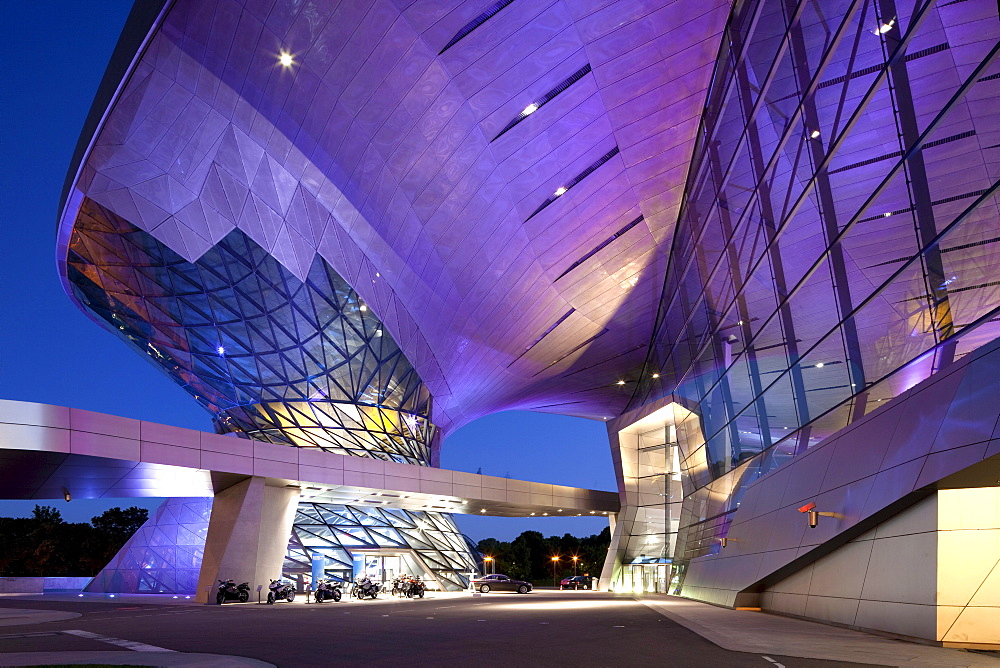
(544, 513)
(530, 109)
(363, 308)
(532, 514)
(819, 365)
(885, 27)
(621, 382)
(560, 191)
(814, 134)
(887, 214)
(740, 322)
(286, 59)
(221, 350)
(482, 510)
(656, 375)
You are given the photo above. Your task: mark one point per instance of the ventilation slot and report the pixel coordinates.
(875, 68)
(775, 345)
(590, 340)
(544, 334)
(991, 284)
(545, 99)
(490, 12)
(564, 403)
(896, 154)
(946, 200)
(605, 360)
(579, 177)
(601, 246)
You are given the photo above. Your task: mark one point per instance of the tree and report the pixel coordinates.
(119, 524)
(113, 528)
(46, 515)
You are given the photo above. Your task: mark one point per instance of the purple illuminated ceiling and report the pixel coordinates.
(423, 175)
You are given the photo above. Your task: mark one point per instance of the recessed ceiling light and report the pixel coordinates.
(621, 382)
(530, 109)
(560, 191)
(885, 27)
(814, 134)
(221, 350)
(656, 375)
(819, 365)
(286, 59)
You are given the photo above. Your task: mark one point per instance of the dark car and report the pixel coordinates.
(500, 583)
(575, 582)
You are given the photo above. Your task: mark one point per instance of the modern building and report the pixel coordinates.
(757, 239)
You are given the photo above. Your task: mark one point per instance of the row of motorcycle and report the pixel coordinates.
(276, 591)
(326, 590)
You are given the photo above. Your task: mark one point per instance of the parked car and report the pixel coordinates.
(575, 582)
(500, 582)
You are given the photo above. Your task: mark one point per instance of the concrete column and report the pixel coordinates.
(247, 535)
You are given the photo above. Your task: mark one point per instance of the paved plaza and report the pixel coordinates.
(544, 628)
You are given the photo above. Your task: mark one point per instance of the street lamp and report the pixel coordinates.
(575, 559)
(488, 563)
(555, 560)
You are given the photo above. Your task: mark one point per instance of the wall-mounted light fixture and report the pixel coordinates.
(814, 515)
(67, 495)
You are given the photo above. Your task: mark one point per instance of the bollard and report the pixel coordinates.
(259, 587)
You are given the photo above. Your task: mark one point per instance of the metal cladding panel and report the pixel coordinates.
(382, 155)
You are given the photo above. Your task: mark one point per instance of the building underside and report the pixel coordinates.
(758, 239)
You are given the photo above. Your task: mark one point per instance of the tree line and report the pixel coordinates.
(45, 545)
(530, 555)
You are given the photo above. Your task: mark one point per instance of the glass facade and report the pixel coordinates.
(164, 555)
(427, 544)
(839, 236)
(273, 358)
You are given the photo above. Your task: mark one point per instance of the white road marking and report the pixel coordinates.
(127, 644)
(617, 627)
(776, 664)
(445, 607)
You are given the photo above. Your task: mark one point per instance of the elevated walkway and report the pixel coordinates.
(47, 452)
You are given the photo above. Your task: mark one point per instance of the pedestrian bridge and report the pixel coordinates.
(54, 452)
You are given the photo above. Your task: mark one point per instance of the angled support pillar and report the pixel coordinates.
(247, 535)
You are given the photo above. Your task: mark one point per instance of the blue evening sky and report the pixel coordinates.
(54, 56)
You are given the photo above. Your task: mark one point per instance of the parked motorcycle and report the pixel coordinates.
(280, 591)
(326, 590)
(230, 591)
(415, 588)
(364, 588)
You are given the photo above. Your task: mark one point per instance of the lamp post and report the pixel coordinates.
(555, 560)
(488, 564)
(575, 559)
